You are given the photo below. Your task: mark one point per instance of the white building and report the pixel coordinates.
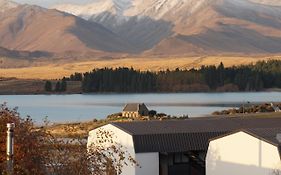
(148, 161)
(255, 151)
(275, 108)
(180, 147)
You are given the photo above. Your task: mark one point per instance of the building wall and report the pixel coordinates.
(241, 153)
(130, 114)
(149, 162)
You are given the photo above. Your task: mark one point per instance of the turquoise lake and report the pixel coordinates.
(75, 108)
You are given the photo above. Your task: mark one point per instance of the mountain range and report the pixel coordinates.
(144, 27)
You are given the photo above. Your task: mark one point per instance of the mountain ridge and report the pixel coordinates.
(191, 22)
(144, 28)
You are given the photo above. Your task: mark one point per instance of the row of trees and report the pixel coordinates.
(118, 80)
(60, 86)
(264, 74)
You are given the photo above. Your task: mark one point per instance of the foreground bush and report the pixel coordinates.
(28, 143)
(38, 152)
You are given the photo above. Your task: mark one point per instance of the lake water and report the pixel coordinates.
(72, 108)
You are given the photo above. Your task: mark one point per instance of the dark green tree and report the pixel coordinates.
(152, 113)
(221, 74)
(76, 77)
(63, 86)
(48, 86)
(58, 87)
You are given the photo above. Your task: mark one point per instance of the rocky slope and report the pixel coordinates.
(22, 54)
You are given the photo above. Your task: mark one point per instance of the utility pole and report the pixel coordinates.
(10, 148)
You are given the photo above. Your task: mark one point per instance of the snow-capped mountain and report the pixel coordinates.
(151, 8)
(193, 26)
(155, 9)
(143, 23)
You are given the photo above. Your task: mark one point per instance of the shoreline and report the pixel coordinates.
(271, 90)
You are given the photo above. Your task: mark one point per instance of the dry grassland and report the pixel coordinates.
(61, 69)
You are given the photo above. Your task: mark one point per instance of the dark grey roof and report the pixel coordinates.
(180, 142)
(191, 134)
(133, 107)
(267, 134)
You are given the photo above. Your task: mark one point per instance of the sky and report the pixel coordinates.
(50, 3)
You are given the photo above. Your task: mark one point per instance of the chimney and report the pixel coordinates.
(10, 147)
(278, 137)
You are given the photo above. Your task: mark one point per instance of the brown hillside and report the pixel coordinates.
(33, 28)
(224, 27)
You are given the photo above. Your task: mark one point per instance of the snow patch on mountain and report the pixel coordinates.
(157, 9)
(115, 7)
(122, 5)
(6, 5)
(122, 9)
(268, 2)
